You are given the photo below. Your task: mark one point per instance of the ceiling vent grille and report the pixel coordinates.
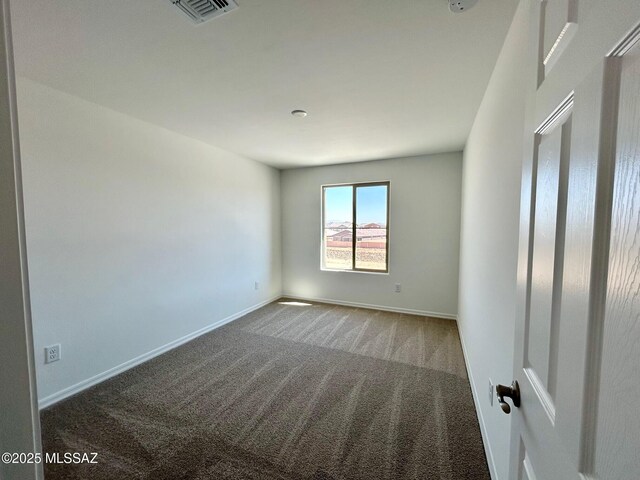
(202, 10)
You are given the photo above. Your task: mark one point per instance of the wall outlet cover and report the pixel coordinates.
(52, 353)
(398, 288)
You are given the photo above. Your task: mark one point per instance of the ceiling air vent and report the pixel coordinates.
(202, 10)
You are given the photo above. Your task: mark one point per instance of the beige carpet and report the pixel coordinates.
(286, 392)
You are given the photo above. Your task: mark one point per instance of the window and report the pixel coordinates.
(355, 227)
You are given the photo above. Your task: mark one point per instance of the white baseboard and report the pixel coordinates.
(476, 400)
(101, 377)
(423, 313)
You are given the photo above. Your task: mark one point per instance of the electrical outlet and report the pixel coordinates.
(491, 390)
(398, 288)
(256, 285)
(52, 353)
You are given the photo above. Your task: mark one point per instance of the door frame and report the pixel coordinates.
(20, 421)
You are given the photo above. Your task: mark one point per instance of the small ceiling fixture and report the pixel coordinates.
(299, 113)
(459, 6)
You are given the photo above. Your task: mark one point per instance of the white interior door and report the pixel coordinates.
(19, 416)
(578, 333)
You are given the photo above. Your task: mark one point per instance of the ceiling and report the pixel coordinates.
(379, 78)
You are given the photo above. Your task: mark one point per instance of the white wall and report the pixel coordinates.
(424, 234)
(137, 236)
(489, 237)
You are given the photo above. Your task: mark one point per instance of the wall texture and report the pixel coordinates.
(137, 236)
(489, 237)
(424, 234)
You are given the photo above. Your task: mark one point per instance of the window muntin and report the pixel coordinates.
(355, 227)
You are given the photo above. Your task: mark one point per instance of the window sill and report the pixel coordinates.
(353, 271)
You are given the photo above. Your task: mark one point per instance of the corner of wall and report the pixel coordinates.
(490, 237)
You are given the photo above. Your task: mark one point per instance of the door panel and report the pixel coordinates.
(588, 201)
(578, 350)
(618, 412)
(548, 241)
(572, 195)
(525, 470)
(560, 19)
(542, 343)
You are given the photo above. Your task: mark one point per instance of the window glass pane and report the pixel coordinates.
(371, 228)
(338, 223)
